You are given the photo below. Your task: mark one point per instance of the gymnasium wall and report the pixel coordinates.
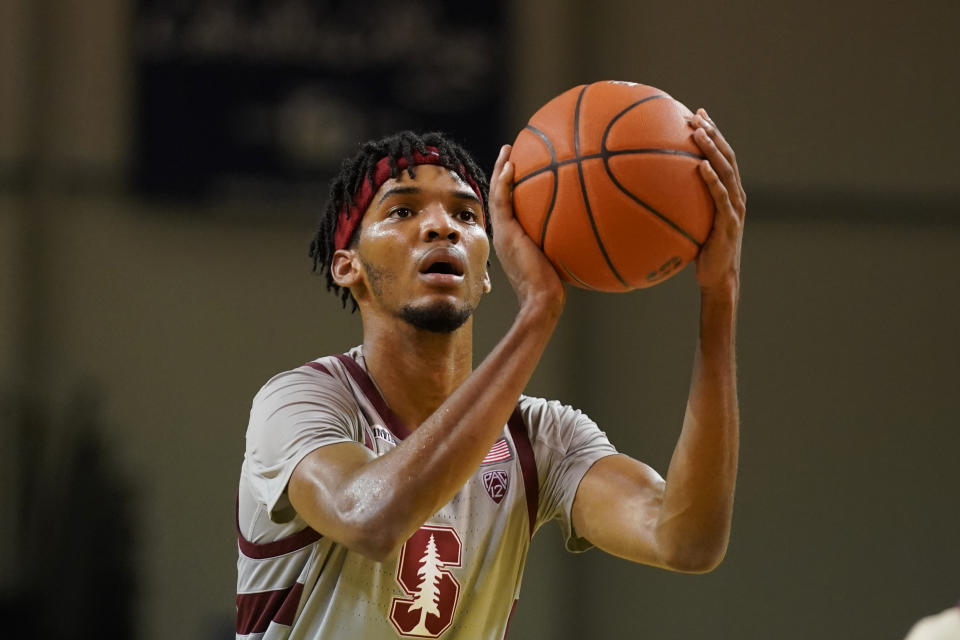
(172, 316)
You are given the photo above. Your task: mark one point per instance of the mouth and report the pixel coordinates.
(442, 265)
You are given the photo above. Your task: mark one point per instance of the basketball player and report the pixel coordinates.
(392, 491)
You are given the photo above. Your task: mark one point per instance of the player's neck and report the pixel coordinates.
(417, 370)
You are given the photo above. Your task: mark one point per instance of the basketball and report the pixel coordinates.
(606, 183)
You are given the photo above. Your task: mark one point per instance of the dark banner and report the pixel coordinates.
(251, 98)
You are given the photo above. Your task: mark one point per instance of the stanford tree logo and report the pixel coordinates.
(423, 574)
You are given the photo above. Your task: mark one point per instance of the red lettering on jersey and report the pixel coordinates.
(422, 572)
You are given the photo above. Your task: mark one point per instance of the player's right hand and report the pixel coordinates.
(531, 274)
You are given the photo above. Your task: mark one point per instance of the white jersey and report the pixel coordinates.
(941, 626)
(458, 576)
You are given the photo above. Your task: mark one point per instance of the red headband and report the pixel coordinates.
(352, 212)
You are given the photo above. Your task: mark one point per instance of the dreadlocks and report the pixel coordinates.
(354, 171)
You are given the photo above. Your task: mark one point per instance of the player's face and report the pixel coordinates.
(424, 250)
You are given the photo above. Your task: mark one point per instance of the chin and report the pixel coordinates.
(443, 317)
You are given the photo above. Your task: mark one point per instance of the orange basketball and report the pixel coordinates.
(606, 183)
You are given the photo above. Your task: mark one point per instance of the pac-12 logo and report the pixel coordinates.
(423, 574)
(496, 483)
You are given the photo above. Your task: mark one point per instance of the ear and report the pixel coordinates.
(345, 268)
(487, 284)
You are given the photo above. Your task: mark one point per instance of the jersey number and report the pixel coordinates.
(423, 575)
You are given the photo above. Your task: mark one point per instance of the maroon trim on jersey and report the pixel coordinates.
(261, 550)
(255, 611)
(367, 440)
(289, 607)
(362, 378)
(528, 465)
(318, 367)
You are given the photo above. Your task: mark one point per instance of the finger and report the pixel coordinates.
(717, 136)
(725, 148)
(703, 119)
(721, 197)
(705, 123)
(727, 230)
(703, 113)
(495, 182)
(501, 191)
(727, 172)
(505, 182)
(719, 162)
(501, 159)
(728, 151)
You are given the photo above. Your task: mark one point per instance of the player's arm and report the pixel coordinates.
(683, 523)
(373, 504)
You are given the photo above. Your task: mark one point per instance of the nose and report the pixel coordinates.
(437, 225)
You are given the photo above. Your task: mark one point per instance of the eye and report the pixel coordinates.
(401, 212)
(467, 216)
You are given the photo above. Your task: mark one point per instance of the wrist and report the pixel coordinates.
(718, 318)
(541, 310)
(544, 301)
(725, 293)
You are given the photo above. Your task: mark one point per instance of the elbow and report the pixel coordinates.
(372, 537)
(696, 557)
(695, 545)
(378, 546)
(372, 542)
(695, 563)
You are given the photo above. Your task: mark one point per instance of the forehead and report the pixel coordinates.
(429, 177)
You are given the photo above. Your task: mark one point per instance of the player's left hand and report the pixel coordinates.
(718, 265)
(530, 273)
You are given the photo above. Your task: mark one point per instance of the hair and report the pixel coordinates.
(361, 167)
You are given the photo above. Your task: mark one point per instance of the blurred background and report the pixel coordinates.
(161, 163)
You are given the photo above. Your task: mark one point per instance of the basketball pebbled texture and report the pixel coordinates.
(606, 183)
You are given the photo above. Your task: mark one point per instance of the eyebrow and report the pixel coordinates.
(463, 195)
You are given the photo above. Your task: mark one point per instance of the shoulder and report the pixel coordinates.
(301, 408)
(318, 384)
(544, 411)
(311, 376)
(552, 423)
(322, 373)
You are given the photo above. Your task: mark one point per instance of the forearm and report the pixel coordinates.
(694, 523)
(388, 498)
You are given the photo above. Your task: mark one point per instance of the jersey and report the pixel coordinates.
(941, 626)
(458, 576)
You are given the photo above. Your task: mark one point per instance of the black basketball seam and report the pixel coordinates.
(553, 198)
(628, 108)
(605, 155)
(646, 206)
(546, 141)
(583, 188)
(606, 166)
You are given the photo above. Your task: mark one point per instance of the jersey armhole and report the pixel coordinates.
(528, 465)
